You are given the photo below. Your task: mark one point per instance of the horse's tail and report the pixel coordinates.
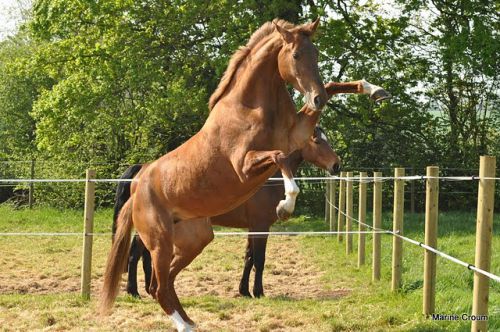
(123, 192)
(117, 259)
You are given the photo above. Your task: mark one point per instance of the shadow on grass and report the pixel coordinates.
(335, 294)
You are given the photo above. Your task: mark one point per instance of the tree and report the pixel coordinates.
(107, 83)
(459, 41)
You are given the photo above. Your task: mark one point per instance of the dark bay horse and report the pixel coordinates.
(253, 125)
(257, 215)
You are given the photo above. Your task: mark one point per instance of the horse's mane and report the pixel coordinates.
(264, 31)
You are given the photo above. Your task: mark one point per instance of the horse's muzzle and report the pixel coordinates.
(335, 169)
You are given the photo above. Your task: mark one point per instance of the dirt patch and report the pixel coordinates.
(288, 272)
(289, 277)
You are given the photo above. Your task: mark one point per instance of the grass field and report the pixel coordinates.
(310, 283)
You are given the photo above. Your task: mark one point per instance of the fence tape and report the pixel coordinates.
(274, 233)
(420, 244)
(321, 178)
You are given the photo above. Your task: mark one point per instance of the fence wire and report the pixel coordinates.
(437, 252)
(316, 179)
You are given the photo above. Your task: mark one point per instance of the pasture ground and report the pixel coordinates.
(310, 283)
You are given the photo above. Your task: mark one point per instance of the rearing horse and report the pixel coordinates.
(251, 128)
(244, 140)
(257, 214)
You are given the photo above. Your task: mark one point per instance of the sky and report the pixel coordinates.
(11, 16)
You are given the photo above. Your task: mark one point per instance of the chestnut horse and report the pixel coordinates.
(251, 128)
(257, 214)
(316, 151)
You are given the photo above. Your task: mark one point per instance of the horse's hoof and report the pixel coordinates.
(134, 293)
(380, 95)
(245, 293)
(258, 293)
(281, 212)
(186, 328)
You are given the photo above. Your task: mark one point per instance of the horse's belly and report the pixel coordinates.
(257, 213)
(207, 203)
(234, 218)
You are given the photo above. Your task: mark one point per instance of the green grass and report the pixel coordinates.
(366, 305)
(50, 220)
(454, 283)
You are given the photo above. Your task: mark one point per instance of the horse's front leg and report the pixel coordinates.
(247, 268)
(375, 92)
(259, 259)
(258, 162)
(286, 207)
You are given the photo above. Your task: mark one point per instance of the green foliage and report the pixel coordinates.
(106, 83)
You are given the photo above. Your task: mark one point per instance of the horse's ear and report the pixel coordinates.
(285, 34)
(311, 27)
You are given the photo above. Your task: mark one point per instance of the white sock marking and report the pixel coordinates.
(179, 323)
(291, 192)
(369, 88)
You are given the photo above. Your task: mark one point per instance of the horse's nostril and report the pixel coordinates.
(336, 168)
(317, 101)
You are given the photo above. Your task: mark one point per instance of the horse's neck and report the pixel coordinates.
(259, 84)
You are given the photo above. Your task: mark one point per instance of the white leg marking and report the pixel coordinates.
(179, 323)
(369, 88)
(291, 192)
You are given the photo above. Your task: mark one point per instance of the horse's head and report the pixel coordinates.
(298, 63)
(319, 152)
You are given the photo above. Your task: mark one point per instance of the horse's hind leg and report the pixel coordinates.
(161, 257)
(155, 227)
(178, 264)
(243, 289)
(146, 267)
(153, 285)
(191, 237)
(136, 249)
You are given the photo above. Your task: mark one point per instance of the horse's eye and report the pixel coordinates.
(295, 55)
